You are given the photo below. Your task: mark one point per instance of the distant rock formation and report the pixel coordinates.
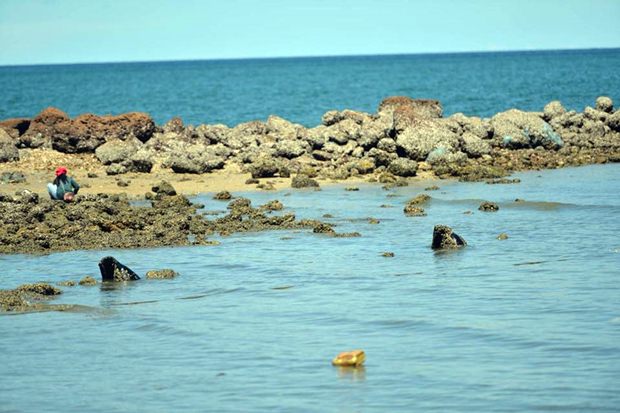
(405, 136)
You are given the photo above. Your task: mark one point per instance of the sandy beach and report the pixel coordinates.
(38, 167)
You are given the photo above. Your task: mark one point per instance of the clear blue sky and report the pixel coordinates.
(68, 31)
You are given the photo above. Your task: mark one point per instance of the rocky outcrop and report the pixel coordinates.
(487, 206)
(515, 129)
(8, 150)
(444, 238)
(29, 297)
(417, 143)
(117, 150)
(29, 224)
(403, 167)
(164, 274)
(423, 108)
(303, 181)
(15, 127)
(84, 133)
(404, 137)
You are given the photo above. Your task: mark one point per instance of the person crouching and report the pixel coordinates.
(64, 188)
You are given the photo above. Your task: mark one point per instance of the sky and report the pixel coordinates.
(81, 31)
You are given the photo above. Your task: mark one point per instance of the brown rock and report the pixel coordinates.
(424, 108)
(86, 132)
(15, 127)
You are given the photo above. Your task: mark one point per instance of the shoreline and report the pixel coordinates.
(231, 179)
(116, 159)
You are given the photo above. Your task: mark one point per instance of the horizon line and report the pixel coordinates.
(326, 56)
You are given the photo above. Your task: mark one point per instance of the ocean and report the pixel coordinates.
(526, 324)
(303, 89)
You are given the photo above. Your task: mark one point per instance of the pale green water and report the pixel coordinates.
(531, 323)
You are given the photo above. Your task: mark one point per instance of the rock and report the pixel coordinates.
(195, 159)
(342, 132)
(445, 238)
(39, 288)
(414, 211)
(424, 108)
(165, 274)
(12, 300)
(432, 188)
(86, 132)
(116, 169)
(323, 228)
(15, 127)
(352, 189)
(412, 207)
(372, 131)
(419, 199)
(613, 121)
(88, 281)
(387, 254)
(604, 104)
(289, 149)
(503, 181)
(164, 188)
(474, 146)
(474, 125)
(443, 156)
(8, 150)
(361, 166)
(382, 158)
(403, 167)
(112, 270)
(140, 161)
(282, 129)
(502, 236)
(417, 143)
(122, 182)
(387, 145)
(515, 129)
(116, 150)
(222, 196)
(251, 181)
(239, 204)
(273, 206)
(553, 110)
(68, 283)
(264, 167)
(174, 125)
(11, 177)
(303, 181)
(488, 206)
(333, 116)
(92, 175)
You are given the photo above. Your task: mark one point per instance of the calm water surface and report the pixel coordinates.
(531, 323)
(303, 89)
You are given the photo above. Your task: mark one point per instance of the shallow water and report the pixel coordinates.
(531, 323)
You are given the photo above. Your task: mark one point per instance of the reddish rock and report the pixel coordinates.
(15, 127)
(86, 132)
(425, 108)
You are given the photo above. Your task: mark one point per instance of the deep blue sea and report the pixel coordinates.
(526, 324)
(302, 89)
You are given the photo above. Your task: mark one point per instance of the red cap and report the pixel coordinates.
(61, 170)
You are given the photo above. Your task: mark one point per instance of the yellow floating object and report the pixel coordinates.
(352, 358)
